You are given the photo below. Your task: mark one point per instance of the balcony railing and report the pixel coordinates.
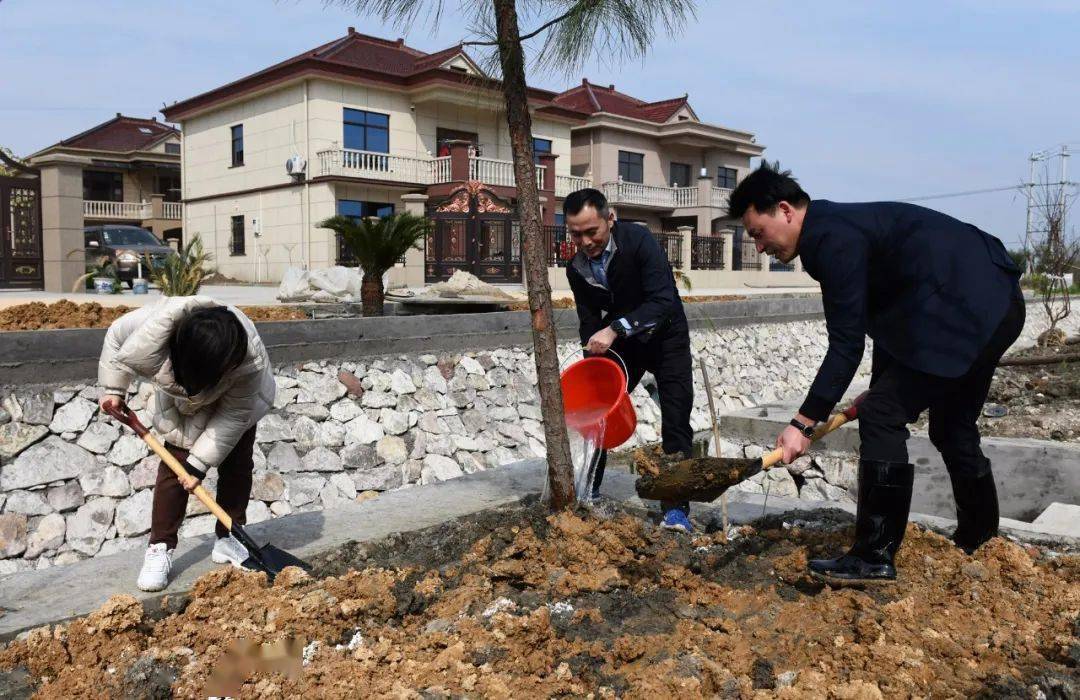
(172, 210)
(377, 166)
(720, 197)
(565, 184)
(622, 192)
(416, 169)
(95, 209)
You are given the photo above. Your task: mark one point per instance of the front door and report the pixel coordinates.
(474, 231)
(20, 222)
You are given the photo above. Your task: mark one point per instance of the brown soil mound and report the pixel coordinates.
(66, 314)
(510, 603)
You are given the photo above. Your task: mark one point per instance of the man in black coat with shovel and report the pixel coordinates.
(627, 301)
(942, 303)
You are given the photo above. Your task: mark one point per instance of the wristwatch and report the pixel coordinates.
(618, 327)
(806, 430)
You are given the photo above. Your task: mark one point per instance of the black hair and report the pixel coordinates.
(588, 197)
(204, 346)
(764, 189)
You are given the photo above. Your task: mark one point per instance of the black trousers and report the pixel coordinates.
(899, 394)
(668, 359)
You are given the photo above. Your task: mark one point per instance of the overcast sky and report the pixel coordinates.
(862, 101)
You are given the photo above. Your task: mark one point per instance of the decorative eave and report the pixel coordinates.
(704, 135)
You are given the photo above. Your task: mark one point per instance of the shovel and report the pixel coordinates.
(704, 479)
(267, 558)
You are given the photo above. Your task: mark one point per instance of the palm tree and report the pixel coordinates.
(577, 29)
(378, 243)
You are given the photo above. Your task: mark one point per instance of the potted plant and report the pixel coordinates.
(182, 273)
(101, 277)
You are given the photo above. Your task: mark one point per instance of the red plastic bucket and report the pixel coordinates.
(594, 395)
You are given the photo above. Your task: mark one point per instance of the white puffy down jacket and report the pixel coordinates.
(208, 424)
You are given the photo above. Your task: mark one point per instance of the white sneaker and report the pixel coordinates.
(228, 550)
(157, 562)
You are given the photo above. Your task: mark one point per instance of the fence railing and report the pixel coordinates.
(560, 249)
(684, 196)
(95, 209)
(565, 184)
(707, 253)
(672, 245)
(172, 210)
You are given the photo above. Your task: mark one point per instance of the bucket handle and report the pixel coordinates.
(626, 371)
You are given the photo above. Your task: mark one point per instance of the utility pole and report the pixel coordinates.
(1061, 200)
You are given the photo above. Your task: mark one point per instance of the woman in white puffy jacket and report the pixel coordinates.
(212, 383)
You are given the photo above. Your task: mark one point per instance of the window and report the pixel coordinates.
(236, 242)
(237, 145)
(540, 146)
(128, 235)
(356, 210)
(680, 175)
(169, 185)
(172, 149)
(103, 186)
(725, 177)
(631, 166)
(560, 219)
(367, 131)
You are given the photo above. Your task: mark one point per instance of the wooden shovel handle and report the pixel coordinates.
(771, 459)
(126, 416)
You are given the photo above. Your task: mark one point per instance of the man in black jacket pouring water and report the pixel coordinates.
(627, 301)
(942, 303)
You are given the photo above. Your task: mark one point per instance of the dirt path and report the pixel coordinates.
(510, 603)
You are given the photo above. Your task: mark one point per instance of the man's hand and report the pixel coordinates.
(793, 443)
(110, 403)
(190, 483)
(601, 341)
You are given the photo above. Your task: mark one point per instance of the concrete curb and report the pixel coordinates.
(54, 595)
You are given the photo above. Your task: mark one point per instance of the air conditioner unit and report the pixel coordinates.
(295, 166)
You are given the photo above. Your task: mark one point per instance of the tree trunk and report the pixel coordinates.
(519, 121)
(371, 295)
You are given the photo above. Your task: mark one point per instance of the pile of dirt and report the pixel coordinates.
(511, 603)
(67, 314)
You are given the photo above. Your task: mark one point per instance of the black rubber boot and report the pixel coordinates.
(976, 509)
(884, 501)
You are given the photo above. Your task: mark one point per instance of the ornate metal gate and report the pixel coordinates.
(20, 221)
(477, 232)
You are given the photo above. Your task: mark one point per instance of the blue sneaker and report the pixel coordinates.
(677, 519)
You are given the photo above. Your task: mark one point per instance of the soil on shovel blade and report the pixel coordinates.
(512, 602)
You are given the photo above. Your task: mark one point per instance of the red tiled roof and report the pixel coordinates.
(121, 134)
(591, 99)
(354, 54)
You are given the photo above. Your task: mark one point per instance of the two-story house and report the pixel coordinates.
(130, 173)
(658, 163)
(364, 126)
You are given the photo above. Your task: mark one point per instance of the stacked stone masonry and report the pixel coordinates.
(74, 485)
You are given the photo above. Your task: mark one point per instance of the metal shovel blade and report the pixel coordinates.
(701, 479)
(266, 558)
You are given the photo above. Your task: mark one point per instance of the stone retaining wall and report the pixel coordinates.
(73, 485)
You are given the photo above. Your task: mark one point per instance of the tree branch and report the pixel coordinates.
(531, 34)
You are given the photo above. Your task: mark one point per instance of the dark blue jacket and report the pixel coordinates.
(641, 288)
(929, 289)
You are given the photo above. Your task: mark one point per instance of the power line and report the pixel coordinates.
(962, 194)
